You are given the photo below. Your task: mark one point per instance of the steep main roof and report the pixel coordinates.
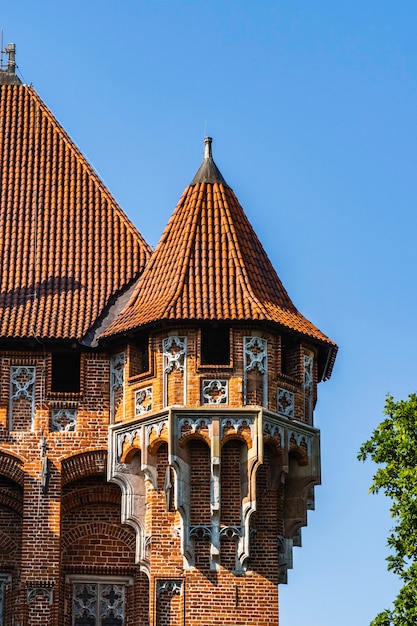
(210, 265)
(66, 247)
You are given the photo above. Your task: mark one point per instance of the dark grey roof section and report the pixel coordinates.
(208, 171)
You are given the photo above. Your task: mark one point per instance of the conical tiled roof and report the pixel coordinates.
(210, 265)
(66, 247)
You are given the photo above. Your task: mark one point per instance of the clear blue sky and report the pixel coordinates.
(313, 111)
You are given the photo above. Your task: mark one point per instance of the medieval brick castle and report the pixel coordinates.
(157, 447)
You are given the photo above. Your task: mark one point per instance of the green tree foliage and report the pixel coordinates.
(393, 444)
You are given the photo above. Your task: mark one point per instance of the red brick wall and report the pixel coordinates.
(75, 527)
(231, 497)
(199, 459)
(95, 543)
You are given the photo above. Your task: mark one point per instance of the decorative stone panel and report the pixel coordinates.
(237, 424)
(174, 350)
(285, 402)
(63, 420)
(274, 430)
(255, 355)
(169, 602)
(22, 396)
(214, 391)
(169, 586)
(99, 604)
(45, 590)
(308, 387)
(143, 400)
(301, 439)
(193, 424)
(199, 532)
(117, 372)
(155, 429)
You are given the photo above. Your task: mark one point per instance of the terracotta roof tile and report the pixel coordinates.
(210, 265)
(66, 247)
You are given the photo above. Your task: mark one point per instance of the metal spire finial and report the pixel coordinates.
(207, 147)
(208, 171)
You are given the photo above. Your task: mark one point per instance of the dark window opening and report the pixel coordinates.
(66, 370)
(143, 355)
(290, 356)
(215, 345)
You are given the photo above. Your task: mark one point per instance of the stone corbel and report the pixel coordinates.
(285, 558)
(295, 503)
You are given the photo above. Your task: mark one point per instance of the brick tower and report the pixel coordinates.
(213, 444)
(157, 447)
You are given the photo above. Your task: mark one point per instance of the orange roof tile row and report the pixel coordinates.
(66, 247)
(210, 265)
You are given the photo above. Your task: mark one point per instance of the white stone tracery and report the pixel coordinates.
(117, 370)
(129, 436)
(174, 350)
(231, 532)
(255, 354)
(308, 386)
(237, 424)
(170, 586)
(285, 402)
(195, 425)
(22, 387)
(216, 425)
(157, 427)
(274, 430)
(199, 532)
(301, 439)
(215, 391)
(99, 603)
(64, 420)
(143, 400)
